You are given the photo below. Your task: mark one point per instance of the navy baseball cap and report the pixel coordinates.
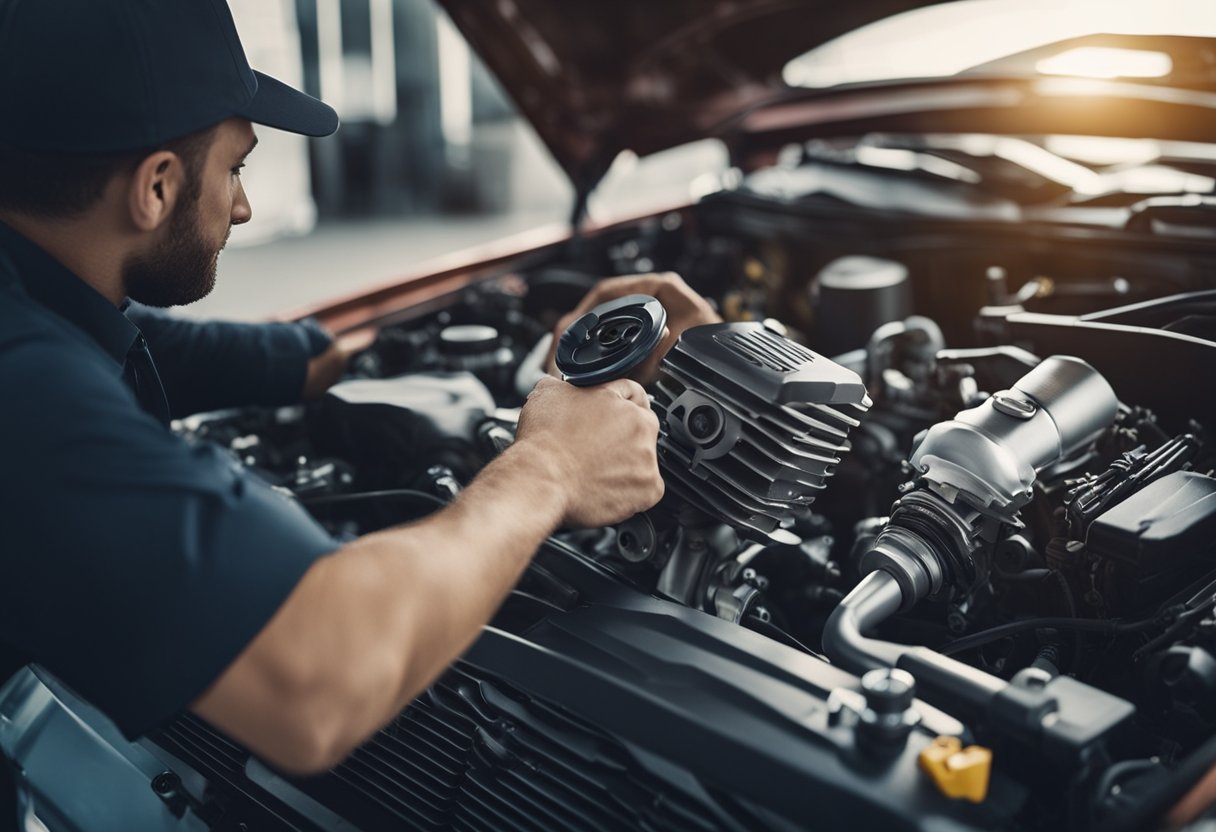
(100, 76)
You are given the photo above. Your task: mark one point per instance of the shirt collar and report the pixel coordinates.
(54, 286)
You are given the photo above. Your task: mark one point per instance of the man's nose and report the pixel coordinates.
(241, 210)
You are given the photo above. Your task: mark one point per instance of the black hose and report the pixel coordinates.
(1181, 622)
(1085, 625)
(1116, 772)
(1161, 797)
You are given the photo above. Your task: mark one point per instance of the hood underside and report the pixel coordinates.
(598, 78)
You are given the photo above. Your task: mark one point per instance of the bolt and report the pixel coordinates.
(166, 783)
(703, 423)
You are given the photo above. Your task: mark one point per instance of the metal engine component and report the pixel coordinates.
(977, 470)
(990, 456)
(928, 546)
(752, 423)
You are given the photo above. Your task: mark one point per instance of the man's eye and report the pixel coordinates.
(236, 171)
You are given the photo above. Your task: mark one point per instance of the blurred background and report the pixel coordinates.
(431, 157)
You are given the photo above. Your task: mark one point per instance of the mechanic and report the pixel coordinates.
(153, 575)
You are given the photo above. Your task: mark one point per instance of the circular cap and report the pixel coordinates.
(468, 339)
(611, 340)
(860, 273)
(888, 690)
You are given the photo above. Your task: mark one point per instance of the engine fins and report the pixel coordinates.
(752, 424)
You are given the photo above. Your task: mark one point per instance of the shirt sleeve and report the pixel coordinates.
(210, 365)
(137, 566)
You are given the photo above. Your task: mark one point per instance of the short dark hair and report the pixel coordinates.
(49, 184)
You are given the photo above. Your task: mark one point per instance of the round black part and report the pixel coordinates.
(611, 340)
(704, 423)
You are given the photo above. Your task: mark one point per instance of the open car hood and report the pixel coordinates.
(599, 78)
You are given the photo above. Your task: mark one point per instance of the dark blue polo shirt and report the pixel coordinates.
(134, 565)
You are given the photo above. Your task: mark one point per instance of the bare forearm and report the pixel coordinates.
(472, 554)
(369, 627)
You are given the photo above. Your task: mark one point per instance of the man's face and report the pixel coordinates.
(179, 267)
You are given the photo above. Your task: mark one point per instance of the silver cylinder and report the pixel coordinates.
(1079, 400)
(990, 455)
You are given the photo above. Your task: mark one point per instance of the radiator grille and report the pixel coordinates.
(197, 742)
(472, 755)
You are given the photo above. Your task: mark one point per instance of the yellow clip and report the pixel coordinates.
(958, 773)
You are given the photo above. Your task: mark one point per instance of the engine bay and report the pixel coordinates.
(971, 462)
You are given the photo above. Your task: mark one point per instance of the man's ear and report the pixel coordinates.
(155, 188)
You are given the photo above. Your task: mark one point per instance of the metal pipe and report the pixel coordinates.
(872, 601)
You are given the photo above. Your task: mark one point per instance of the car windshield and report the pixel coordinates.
(952, 37)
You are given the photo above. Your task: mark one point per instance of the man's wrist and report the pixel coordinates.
(542, 472)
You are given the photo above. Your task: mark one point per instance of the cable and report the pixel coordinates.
(1085, 625)
(1183, 620)
(369, 496)
(777, 634)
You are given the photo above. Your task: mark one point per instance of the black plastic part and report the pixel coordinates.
(1169, 520)
(382, 425)
(1061, 717)
(624, 712)
(886, 722)
(888, 693)
(611, 340)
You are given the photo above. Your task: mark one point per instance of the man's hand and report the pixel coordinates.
(685, 309)
(602, 443)
(326, 370)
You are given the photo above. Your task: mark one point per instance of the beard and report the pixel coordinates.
(180, 268)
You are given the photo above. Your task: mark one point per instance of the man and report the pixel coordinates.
(153, 575)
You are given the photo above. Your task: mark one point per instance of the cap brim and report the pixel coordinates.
(277, 105)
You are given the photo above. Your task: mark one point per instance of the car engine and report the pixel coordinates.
(938, 548)
(1006, 546)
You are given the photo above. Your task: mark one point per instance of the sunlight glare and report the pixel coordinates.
(1107, 62)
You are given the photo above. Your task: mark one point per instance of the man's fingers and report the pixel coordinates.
(617, 287)
(628, 389)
